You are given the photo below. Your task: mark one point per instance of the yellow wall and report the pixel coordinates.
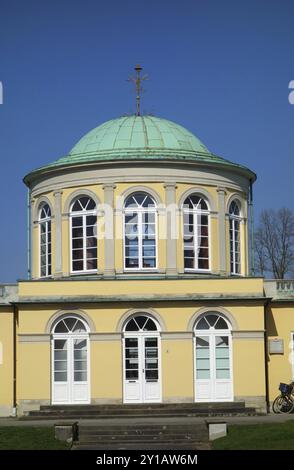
(119, 191)
(6, 360)
(280, 324)
(106, 354)
(222, 286)
(249, 367)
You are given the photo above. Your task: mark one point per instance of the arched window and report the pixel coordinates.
(213, 358)
(141, 323)
(235, 251)
(196, 233)
(70, 361)
(140, 232)
(142, 360)
(70, 325)
(83, 217)
(45, 240)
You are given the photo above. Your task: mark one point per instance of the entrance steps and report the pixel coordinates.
(140, 436)
(168, 410)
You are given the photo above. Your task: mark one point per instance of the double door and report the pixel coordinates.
(213, 368)
(142, 375)
(70, 369)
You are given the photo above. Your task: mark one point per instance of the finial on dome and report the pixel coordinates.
(137, 80)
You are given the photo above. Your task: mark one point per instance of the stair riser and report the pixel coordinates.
(153, 406)
(63, 413)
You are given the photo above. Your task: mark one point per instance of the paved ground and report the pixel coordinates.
(270, 418)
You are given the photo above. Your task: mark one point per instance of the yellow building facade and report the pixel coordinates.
(140, 287)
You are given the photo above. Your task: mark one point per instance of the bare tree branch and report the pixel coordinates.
(274, 243)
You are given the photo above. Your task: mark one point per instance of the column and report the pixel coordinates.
(109, 247)
(222, 231)
(171, 229)
(58, 233)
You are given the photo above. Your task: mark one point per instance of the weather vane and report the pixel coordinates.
(137, 80)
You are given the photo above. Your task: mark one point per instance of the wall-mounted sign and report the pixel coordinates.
(276, 346)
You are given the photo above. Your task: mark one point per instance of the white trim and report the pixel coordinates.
(46, 221)
(141, 336)
(140, 211)
(212, 333)
(84, 215)
(195, 213)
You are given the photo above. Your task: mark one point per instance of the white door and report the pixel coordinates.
(142, 360)
(70, 365)
(141, 369)
(213, 363)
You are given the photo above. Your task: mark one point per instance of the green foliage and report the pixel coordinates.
(258, 437)
(29, 438)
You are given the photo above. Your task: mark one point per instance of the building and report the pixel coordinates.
(140, 287)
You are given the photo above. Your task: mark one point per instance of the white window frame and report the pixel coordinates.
(212, 333)
(140, 335)
(83, 214)
(70, 337)
(232, 222)
(46, 221)
(139, 211)
(195, 213)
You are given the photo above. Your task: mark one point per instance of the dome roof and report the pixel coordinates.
(138, 138)
(138, 133)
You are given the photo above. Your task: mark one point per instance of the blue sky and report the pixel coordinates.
(219, 68)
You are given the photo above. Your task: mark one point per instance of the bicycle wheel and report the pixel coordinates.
(275, 407)
(283, 404)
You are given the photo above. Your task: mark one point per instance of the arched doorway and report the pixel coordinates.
(213, 359)
(141, 356)
(70, 361)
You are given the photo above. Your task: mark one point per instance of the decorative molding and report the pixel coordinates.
(248, 334)
(41, 200)
(177, 335)
(143, 311)
(201, 192)
(34, 338)
(70, 311)
(105, 336)
(77, 193)
(220, 310)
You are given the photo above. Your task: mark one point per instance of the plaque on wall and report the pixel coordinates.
(276, 346)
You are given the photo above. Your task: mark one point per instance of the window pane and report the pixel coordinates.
(132, 374)
(60, 376)
(132, 263)
(77, 266)
(60, 365)
(77, 221)
(80, 376)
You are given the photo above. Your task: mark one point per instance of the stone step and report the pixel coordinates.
(144, 438)
(147, 406)
(76, 416)
(168, 445)
(143, 429)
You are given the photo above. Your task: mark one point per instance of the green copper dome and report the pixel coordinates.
(137, 133)
(139, 138)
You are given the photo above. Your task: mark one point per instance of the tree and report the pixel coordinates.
(274, 243)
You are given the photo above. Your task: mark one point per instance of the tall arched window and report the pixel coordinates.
(83, 217)
(235, 251)
(45, 240)
(196, 233)
(70, 361)
(142, 361)
(140, 231)
(213, 358)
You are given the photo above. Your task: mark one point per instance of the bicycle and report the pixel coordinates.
(284, 403)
